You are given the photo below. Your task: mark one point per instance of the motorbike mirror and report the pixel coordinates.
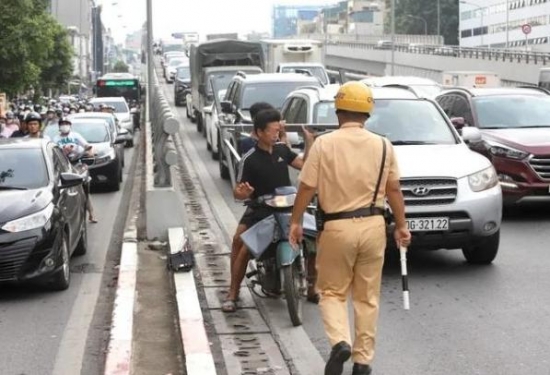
(69, 180)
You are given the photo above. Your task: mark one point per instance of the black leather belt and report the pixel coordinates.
(361, 212)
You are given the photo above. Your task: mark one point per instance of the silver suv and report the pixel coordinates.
(452, 196)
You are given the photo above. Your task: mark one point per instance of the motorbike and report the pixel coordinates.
(79, 162)
(280, 270)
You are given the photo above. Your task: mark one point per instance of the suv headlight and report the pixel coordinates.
(33, 221)
(483, 180)
(105, 158)
(497, 149)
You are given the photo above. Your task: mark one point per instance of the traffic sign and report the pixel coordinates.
(526, 29)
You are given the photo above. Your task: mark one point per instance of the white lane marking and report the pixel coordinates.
(295, 341)
(198, 356)
(119, 353)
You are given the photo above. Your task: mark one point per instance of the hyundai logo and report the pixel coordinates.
(421, 191)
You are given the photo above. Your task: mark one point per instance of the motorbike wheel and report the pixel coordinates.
(291, 287)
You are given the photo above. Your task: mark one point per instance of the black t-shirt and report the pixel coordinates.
(264, 171)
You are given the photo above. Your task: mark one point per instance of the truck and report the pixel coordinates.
(222, 53)
(232, 36)
(471, 79)
(295, 56)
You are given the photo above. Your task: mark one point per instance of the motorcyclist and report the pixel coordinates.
(34, 126)
(11, 125)
(74, 146)
(263, 169)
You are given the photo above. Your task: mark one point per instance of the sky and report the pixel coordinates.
(202, 16)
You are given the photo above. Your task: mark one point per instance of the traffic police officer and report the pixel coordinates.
(352, 170)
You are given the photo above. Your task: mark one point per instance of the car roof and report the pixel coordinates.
(279, 77)
(91, 115)
(232, 68)
(399, 80)
(328, 92)
(108, 99)
(89, 121)
(26, 143)
(499, 91)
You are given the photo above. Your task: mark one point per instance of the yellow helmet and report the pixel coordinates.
(354, 96)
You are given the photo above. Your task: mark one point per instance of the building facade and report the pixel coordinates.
(361, 17)
(76, 16)
(289, 19)
(98, 55)
(499, 24)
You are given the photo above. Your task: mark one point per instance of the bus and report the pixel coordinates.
(123, 84)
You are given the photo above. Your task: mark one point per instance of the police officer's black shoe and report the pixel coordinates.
(359, 369)
(338, 356)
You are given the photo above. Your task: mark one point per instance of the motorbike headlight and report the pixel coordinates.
(281, 201)
(36, 220)
(105, 158)
(497, 149)
(483, 180)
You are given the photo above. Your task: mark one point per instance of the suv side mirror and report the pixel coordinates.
(227, 107)
(471, 134)
(458, 122)
(69, 180)
(332, 80)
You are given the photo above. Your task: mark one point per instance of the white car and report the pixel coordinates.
(122, 113)
(452, 196)
(425, 87)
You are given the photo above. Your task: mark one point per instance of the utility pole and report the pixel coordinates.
(507, 24)
(150, 62)
(438, 18)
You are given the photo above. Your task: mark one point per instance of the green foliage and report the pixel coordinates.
(36, 52)
(121, 67)
(426, 9)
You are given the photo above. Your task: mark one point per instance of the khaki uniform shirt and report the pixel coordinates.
(344, 166)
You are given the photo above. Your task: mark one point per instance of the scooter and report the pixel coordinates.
(280, 270)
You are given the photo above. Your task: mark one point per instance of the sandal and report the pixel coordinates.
(229, 306)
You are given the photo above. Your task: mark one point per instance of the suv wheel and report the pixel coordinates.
(484, 251)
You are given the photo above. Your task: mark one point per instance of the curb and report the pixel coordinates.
(198, 356)
(119, 352)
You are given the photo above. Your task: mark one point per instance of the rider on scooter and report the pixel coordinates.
(263, 169)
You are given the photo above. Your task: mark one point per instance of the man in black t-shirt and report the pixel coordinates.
(263, 169)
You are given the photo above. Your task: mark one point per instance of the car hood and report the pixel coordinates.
(455, 161)
(532, 140)
(15, 204)
(101, 149)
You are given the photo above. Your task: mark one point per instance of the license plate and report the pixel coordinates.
(428, 224)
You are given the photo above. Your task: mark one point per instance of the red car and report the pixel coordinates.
(515, 128)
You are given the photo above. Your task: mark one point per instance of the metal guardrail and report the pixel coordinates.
(163, 125)
(492, 54)
(373, 39)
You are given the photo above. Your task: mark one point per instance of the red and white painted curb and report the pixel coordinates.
(198, 356)
(119, 353)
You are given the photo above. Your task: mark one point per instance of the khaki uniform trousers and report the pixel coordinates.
(350, 255)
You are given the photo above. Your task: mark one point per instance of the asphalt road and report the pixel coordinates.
(486, 320)
(60, 333)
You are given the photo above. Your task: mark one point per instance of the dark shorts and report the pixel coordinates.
(254, 215)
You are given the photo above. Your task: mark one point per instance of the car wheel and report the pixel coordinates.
(484, 251)
(82, 246)
(130, 143)
(62, 278)
(120, 174)
(198, 121)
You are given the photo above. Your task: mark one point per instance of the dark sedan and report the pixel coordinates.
(182, 85)
(42, 213)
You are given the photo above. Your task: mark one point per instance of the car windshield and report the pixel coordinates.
(183, 72)
(316, 71)
(325, 113)
(273, 93)
(176, 62)
(410, 122)
(92, 132)
(110, 120)
(512, 111)
(120, 106)
(22, 168)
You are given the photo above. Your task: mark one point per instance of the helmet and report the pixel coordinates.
(33, 116)
(10, 115)
(65, 121)
(354, 97)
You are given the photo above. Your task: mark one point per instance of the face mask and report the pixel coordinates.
(64, 129)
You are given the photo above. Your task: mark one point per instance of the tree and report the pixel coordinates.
(121, 67)
(29, 39)
(427, 9)
(57, 68)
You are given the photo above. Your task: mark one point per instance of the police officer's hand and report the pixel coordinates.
(244, 190)
(296, 234)
(308, 135)
(402, 236)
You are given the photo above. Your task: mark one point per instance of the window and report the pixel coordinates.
(513, 111)
(461, 108)
(24, 168)
(60, 162)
